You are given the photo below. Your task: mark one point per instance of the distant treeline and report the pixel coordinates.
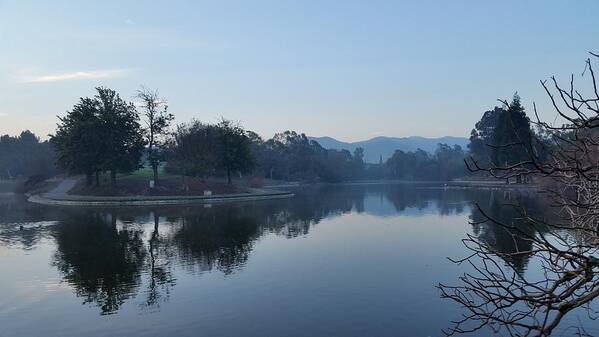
(105, 134)
(25, 156)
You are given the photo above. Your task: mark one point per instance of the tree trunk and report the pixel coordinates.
(97, 178)
(113, 177)
(155, 171)
(89, 178)
(228, 176)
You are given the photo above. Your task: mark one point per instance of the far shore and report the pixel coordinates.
(62, 193)
(451, 183)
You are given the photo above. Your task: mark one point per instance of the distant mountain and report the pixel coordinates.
(385, 146)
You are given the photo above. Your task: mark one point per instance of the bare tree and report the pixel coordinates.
(157, 120)
(565, 163)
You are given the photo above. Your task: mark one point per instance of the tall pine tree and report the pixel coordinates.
(512, 136)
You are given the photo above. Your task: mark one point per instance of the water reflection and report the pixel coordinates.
(506, 207)
(110, 256)
(101, 262)
(24, 224)
(220, 237)
(160, 270)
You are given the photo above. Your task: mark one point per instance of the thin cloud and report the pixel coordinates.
(129, 22)
(78, 75)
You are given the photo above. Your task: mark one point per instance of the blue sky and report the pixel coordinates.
(347, 69)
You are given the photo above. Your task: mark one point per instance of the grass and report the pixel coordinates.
(146, 173)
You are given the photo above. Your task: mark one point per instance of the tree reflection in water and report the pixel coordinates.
(160, 269)
(220, 237)
(101, 262)
(500, 205)
(110, 256)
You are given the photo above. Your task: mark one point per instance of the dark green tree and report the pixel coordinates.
(512, 138)
(481, 136)
(100, 134)
(234, 148)
(193, 151)
(124, 141)
(78, 140)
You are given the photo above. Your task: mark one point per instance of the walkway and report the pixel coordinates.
(59, 196)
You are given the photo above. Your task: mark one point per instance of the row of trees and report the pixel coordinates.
(445, 164)
(292, 156)
(25, 155)
(199, 149)
(105, 133)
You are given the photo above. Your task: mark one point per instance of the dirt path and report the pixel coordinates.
(63, 187)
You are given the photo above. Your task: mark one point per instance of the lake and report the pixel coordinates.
(335, 260)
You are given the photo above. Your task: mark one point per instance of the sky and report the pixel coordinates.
(346, 69)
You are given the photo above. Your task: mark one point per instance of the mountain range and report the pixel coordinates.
(384, 147)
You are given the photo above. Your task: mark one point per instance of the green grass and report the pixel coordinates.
(147, 174)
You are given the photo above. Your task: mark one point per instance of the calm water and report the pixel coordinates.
(332, 261)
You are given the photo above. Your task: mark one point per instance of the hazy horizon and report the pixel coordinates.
(393, 68)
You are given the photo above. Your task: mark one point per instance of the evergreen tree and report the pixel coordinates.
(512, 136)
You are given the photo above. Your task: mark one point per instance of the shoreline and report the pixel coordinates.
(83, 200)
(425, 183)
(61, 198)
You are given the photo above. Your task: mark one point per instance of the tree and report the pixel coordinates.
(450, 162)
(78, 140)
(193, 149)
(234, 148)
(124, 142)
(565, 247)
(100, 134)
(481, 136)
(157, 120)
(512, 137)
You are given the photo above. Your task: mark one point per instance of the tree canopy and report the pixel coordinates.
(512, 137)
(202, 149)
(100, 134)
